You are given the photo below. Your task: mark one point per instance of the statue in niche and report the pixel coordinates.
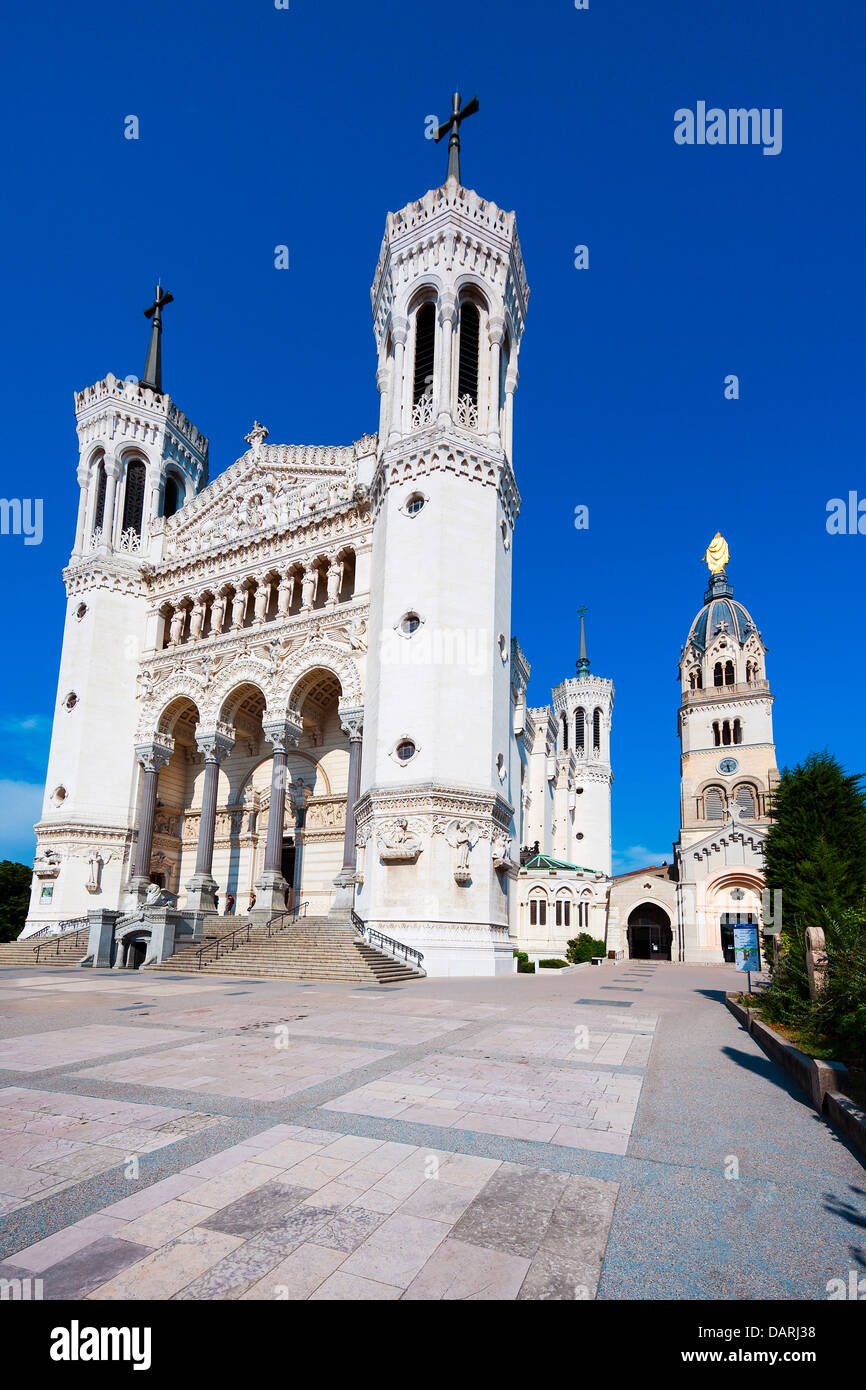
(462, 835)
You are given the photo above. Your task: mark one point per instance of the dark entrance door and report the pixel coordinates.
(727, 922)
(135, 955)
(649, 933)
(287, 868)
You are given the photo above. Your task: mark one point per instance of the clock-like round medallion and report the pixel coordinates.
(728, 765)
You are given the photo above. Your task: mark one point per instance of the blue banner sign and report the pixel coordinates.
(747, 955)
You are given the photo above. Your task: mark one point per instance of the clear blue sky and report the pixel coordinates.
(304, 126)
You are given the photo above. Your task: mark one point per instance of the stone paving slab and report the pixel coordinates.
(255, 1065)
(42, 1051)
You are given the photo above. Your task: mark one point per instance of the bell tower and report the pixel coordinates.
(449, 301)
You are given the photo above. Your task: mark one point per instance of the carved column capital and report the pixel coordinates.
(496, 331)
(352, 723)
(153, 756)
(281, 733)
(400, 330)
(447, 308)
(215, 744)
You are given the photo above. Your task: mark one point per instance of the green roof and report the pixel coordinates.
(546, 861)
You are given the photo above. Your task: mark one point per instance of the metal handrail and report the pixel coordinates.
(392, 947)
(230, 942)
(73, 933)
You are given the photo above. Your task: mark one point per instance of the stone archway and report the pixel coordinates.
(650, 934)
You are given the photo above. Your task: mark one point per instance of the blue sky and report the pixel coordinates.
(302, 127)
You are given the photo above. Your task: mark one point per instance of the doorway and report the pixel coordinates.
(649, 933)
(727, 922)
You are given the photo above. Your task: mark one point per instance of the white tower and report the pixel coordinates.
(583, 709)
(139, 457)
(727, 769)
(436, 815)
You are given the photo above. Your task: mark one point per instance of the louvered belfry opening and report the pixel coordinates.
(133, 501)
(99, 514)
(579, 730)
(470, 337)
(596, 731)
(425, 347)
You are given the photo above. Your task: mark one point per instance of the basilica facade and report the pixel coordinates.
(273, 694)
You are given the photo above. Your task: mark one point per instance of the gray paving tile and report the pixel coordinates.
(257, 1210)
(95, 1264)
(349, 1228)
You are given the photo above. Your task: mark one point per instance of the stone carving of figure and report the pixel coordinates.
(462, 835)
(217, 613)
(399, 842)
(263, 594)
(335, 580)
(196, 620)
(308, 588)
(95, 862)
(356, 632)
(178, 618)
(239, 608)
(284, 595)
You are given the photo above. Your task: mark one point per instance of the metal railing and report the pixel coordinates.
(242, 936)
(71, 933)
(386, 943)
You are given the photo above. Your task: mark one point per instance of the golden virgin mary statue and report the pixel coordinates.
(717, 553)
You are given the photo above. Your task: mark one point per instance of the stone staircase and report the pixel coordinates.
(55, 951)
(310, 948)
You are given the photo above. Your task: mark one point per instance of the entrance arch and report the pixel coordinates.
(649, 933)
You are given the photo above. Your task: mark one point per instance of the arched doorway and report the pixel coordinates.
(649, 933)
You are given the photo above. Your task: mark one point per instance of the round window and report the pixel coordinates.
(405, 750)
(410, 623)
(414, 504)
(80, 611)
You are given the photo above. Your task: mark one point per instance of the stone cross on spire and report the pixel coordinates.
(453, 124)
(152, 374)
(583, 660)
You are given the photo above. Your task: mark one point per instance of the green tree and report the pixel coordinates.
(815, 853)
(15, 880)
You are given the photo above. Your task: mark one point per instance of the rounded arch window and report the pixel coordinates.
(745, 799)
(174, 495)
(405, 750)
(414, 504)
(133, 498)
(714, 804)
(425, 349)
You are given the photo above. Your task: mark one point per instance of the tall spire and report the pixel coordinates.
(152, 374)
(453, 124)
(583, 659)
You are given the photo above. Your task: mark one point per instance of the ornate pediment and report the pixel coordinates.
(271, 487)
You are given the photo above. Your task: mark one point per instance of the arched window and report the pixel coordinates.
(718, 674)
(726, 732)
(563, 912)
(696, 679)
(538, 912)
(470, 336)
(714, 804)
(738, 731)
(133, 501)
(579, 730)
(745, 798)
(173, 500)
(717, 733)
(565, 733)
(99, 513)
(729, 673)
(425, 348)
(596, 731)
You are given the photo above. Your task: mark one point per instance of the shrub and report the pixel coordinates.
(583, 947)
(553, 964)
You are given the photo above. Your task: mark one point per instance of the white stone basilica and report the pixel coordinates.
(296, 685)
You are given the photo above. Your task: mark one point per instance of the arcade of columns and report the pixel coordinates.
(216, 745)
(297, 589)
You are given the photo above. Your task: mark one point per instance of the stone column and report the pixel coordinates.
(201, 890)
(510, 388)
(383, 378)
(83, 476)
(495, 335)
(112, 473)
(447, 320)
(352, 723)
(400, 335)
(271, 888)
(152, 757)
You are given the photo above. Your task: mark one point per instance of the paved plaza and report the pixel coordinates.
(552, 1137)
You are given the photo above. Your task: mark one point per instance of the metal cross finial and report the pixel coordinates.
(453, 124)
(152, 375)
(583, 660)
